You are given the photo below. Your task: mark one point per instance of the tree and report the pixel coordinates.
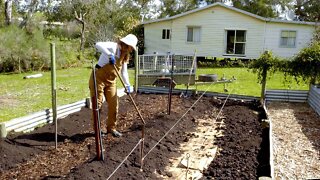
(69, 10)
(101, 20)
(308, 10)
(2, 13)
(316, 34)
(207, 2)
(259, 7)
(173, 7)
(146, 7)
(8, 11)
(26, 9)
(264, 8)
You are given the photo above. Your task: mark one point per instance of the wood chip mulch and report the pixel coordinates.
(296, 140)
(55, 162)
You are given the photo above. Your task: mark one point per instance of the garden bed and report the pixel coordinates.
(237, 142)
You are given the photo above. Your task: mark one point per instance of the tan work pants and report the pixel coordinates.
(106, 86)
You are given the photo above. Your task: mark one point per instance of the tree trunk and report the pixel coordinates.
(80, 18)
(82, 36)
(8, 11)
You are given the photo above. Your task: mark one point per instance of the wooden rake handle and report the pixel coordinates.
(134, 104)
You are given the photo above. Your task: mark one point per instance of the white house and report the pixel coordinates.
(222, 31)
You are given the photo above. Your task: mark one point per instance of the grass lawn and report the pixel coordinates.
(246, 82)
(20, 97)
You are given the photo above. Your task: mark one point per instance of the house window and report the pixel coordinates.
(165, 33)
(193, 34)
(236, 42)
(288, 39)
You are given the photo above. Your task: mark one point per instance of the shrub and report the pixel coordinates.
(22, 50)
(67, 54)
(67, 31)
(25, 50)
(224, 62)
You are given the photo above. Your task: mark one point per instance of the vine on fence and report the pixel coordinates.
(267, 63)
(305, 65)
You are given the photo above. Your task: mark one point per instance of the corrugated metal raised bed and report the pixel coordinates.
(314, 98)
(28, 123)
(286, 95)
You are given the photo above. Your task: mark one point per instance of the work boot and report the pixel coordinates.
(116, 133)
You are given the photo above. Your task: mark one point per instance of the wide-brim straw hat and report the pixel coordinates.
(130, 40)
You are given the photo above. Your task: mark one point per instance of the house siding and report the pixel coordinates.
(153, 38)
(261, 35)
(213, 23)
(304, 35)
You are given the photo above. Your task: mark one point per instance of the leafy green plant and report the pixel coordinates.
(266, 64)
(307, 64)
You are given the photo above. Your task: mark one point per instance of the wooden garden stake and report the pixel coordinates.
(96, 118)
(136, 63)
(263, 85)
(54, 91)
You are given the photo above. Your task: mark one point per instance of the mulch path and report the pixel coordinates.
(296, 140)
(33, 156)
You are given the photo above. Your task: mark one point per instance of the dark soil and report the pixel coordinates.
(33, 156)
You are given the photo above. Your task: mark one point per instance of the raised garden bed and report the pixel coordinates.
(238, 141)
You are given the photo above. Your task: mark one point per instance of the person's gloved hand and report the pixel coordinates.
(112, 60)
(128, 89)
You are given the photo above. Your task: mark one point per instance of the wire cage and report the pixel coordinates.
(155, 67)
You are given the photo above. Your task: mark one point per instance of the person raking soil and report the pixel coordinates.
(113, 55)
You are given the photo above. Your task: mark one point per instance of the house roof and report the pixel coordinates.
(231, 8)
